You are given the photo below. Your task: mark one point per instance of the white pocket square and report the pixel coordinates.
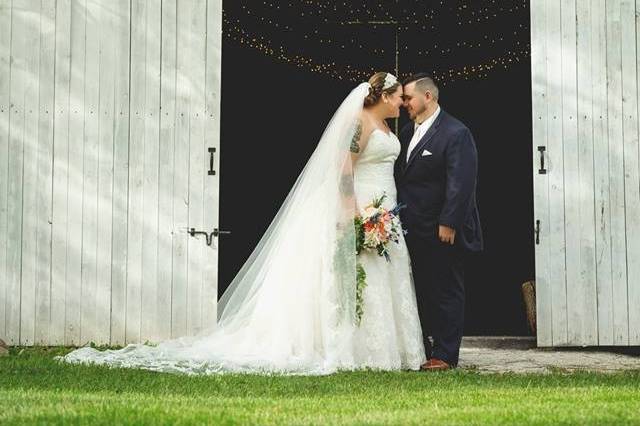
(426, 152)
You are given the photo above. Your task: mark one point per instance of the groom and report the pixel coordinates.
(436, 174)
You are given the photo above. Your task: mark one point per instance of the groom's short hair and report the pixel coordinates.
(424, 83)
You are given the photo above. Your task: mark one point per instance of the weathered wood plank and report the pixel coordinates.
(31, 19)
(585, 293)
(73, 297)
(631, 164)
(60, 200)
(598, 31)
(634, 285)
(89, 302)
(121, 40)
(167, 172)
(616, 171)
(108, 14)
(15, 176)
(44, 185)
(571, 168)
(136, 233)
(5, 111)
(181, 182)
(557, 249)
(197, 158)
(149, 309)
(212, 136)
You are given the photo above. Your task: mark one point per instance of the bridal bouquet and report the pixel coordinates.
(375, 229)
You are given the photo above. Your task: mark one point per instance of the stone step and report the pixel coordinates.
(499, 342)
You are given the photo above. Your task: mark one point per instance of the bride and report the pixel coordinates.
(292, 307)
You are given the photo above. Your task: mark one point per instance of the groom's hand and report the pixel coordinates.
(446, 234)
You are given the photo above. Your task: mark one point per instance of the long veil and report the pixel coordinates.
(291, 307)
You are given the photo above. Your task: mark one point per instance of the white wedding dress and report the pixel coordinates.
(290, 309)
(390, 335)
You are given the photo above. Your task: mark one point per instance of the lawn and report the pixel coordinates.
(34, 388)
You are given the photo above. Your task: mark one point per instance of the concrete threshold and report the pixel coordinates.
(519, 354)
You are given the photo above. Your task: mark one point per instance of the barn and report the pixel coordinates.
(121, 160)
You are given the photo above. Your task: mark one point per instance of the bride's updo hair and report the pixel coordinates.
(375, 91)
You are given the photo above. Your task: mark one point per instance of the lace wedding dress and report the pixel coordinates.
(390, 336)
(291, 307)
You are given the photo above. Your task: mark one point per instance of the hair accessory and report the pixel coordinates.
(389, 81)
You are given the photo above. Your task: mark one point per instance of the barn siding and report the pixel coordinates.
(107, 109)
(585, 113)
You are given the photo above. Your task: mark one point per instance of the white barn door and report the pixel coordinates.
(585, 63)
(109, 147)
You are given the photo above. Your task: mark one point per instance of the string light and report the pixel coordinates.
(331, 38)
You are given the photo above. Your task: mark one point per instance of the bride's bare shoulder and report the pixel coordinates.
(367, 123)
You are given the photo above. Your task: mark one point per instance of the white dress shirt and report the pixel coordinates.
(421, 130)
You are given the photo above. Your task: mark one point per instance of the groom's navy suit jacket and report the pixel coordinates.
(440, 188)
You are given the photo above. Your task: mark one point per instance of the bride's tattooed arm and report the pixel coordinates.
(346, 181)
(355, 147)
(346, 184)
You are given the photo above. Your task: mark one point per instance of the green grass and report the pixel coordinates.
(35, 389)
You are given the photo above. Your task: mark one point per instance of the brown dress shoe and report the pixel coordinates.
(435, 364)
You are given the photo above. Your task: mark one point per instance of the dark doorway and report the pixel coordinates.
(287, 67)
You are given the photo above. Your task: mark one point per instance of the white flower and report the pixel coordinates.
(369, 212)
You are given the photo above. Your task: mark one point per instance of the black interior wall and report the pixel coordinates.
(273, 114)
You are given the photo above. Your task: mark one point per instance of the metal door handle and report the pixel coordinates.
(209, 236)
(541, 150)
(212, 151)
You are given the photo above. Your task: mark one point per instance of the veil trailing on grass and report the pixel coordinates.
(291, 308)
